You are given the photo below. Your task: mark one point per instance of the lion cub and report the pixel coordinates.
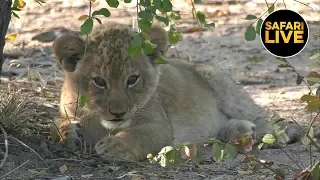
(136, 107)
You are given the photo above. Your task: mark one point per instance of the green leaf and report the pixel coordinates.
(281, 59)
(135, 45)
(250, 17)
(250, 34)
(148, 47)
(210, 25)
(86, 27)
(260, 146)
(15, 9)
(258, 26)
(271, 9)
(160, 60)
(136, 40)
(305, 140)
(201, 17)
(231, 151)
(314, 106)
(15, 14)
(127, 1)
(104, 12)
(314, 53)
(175, 15)
(113, 3)
(197, 1)
(268, 139)
(217, 152)
(99, 21)
(174, 37)
(280, 132)
(167, 156)
(163, 19)
(134, 51)
(145, 15)
(158, 4)
(167, 6)
(315, 171)
(314, 80)
(83, 100)
(306, 98)
(144, 24)
(145, 3)
(151, 9)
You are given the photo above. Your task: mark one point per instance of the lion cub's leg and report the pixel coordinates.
(135, 143)
(64, 130)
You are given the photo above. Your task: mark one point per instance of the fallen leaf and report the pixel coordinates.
(63, 169)
(87, 176)
(35, 172)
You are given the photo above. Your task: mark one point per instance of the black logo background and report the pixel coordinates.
(284, 49)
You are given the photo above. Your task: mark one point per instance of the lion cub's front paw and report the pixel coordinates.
(113, 147)
(67, 133)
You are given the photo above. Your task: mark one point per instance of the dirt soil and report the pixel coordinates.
(39, 79)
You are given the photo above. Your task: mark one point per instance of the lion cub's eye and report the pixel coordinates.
(133, 80)
(99, 82)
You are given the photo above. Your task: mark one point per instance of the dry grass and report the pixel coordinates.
(15, 110)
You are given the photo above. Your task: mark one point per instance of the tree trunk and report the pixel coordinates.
(5, 17)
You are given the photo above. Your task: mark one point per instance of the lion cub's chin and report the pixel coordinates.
(115, 124)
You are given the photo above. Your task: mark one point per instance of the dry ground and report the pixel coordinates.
(247, 62)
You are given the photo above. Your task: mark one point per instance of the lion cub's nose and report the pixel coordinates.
(117, 113)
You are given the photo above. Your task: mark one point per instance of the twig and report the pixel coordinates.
(291, 158)
(284, 3)
(307, 135)
(6, 144)
(264, 13)
(14, 169)
(267, 3)
(304, 81)
(85, 51)
(66, 159)
(29, 149)
(304, 4)
(312, 121)
(258, 161)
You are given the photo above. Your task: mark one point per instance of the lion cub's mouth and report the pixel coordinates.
(116, 119)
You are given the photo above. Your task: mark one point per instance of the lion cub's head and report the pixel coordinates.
(115, 83)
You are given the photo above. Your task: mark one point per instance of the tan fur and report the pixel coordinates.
(175, 102)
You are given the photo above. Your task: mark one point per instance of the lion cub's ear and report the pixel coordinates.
(159, 37)
(69, 49)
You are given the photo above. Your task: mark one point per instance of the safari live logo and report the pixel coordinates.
(284, 33)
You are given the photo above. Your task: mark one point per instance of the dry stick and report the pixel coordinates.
(304, 4)
(307, 135)
(304, 80)
(6, 144)
(284, 3)
(312, 121)
(291, 158)
(85, 51)
(29, 149)
(267, 3)
(302, 164)
(271, 169)
(264, 13)
(14, 169)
